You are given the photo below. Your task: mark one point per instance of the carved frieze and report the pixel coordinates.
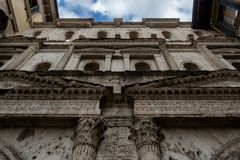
(49, 107)
(216, 108)
(116, 145)
(229, 151)
(9, 152)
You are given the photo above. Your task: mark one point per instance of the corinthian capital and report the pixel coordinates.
(88, 132)
(147, 137)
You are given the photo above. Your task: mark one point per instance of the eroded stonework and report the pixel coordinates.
(76, 89)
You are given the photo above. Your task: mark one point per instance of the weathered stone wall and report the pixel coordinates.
(59, 34)
(197, 143)
(52, 57)
(39, 143)
(179, 143)
(195, 57)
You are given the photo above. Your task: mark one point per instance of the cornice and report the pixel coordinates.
(48, 87)
(187, 87)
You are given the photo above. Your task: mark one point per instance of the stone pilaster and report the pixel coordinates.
(86, 138)
(22, 58)
(126, 59)
(108, 61)
(168, 57)
(65, 59)
(213, 59)
(147, 137)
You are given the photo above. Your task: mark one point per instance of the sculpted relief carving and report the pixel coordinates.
(229, 151)
(191, 107)
(57, 107)
(86, 138)
(116, 144)
(8, 152)
(147, 137)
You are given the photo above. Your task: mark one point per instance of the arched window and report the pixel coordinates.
(118, 36)
(191, 66)
(199, 33)
(167, 35)
(92, 67)
(236, 65)
(102, 34)
(43, 66)
(1, 64)
(68, 35)
(133, 35)
(141, 66)
(36, 33)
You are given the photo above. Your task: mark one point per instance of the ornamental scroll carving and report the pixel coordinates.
(86, 138)
(8, 152)
(229, 151)
(147, 137)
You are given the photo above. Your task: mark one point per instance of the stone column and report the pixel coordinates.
(147, 138)
(108, 60)
(22, 58)
(126, 60)
(65, 59)
(170, 61)
(86, 138)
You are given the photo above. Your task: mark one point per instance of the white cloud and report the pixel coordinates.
(135, 10)
(66, 13)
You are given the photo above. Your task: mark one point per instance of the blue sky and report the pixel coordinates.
(129, 10)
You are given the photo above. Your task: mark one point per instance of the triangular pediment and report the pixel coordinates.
(224, 78)
(224, 82)
(28, 85)
(11, 79)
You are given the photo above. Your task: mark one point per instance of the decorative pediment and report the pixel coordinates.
(223, 78)
(223, 83)
(27, 85)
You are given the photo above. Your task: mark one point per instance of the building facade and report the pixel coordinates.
(76, 89)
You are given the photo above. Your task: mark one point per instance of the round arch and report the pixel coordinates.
(44, 66)
(142, 66)
(190, 66)
(92, 66)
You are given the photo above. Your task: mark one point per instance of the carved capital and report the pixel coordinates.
(86, 138)
(147, 137)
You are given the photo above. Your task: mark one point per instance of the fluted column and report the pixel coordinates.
(86, 138)
(147, 138)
